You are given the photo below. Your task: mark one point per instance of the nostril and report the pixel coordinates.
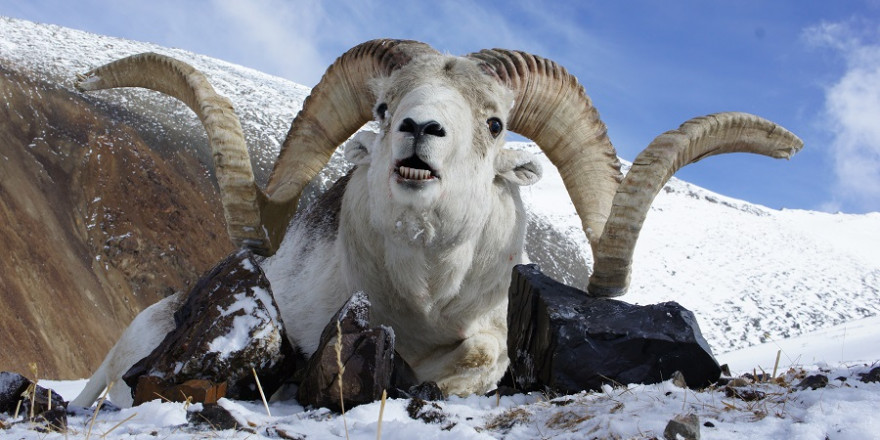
(434, 128)
(408, 126)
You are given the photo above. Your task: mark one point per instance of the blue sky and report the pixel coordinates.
(813, 67)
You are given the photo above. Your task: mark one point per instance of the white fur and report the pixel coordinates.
(436, 261)
(145, 332)
(435, 258)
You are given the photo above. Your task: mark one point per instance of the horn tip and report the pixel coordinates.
(87, 82)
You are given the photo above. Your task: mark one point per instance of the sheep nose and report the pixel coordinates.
(432, 128)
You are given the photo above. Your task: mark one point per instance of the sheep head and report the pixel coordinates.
(450, 116)
(439, 147)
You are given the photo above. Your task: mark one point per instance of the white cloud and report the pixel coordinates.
(283, 36)
(852, 105)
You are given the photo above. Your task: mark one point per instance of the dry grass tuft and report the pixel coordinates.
(505, 421)
(341, 367)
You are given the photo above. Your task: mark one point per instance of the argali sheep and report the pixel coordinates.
(429, 222)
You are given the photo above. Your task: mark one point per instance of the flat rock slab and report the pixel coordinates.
(562, 340)
(228, 325)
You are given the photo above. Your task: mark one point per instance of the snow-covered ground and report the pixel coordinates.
(758, 280)
(845, 409)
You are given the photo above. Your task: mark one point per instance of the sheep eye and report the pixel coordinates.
(381, 109)
(495, 126)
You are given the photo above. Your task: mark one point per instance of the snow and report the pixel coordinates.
(845, 409)
(760, 281)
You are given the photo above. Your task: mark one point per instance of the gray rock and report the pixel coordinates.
(813, 382)
(562, 340)
(871, 376)
(685, 427)
(213, 417)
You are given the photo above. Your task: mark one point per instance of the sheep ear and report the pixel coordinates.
(357, 149)
(517, 167)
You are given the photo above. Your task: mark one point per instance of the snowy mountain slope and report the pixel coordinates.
(749, 273)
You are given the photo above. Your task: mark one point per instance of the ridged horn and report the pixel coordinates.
(695, 139)
(239, 194)
(337, 107)
(552, 109)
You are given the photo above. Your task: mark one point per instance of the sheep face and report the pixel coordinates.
(439, 152)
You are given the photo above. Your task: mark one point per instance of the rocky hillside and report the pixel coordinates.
(98, 223)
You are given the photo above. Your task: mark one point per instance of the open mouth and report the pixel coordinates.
(413, 168)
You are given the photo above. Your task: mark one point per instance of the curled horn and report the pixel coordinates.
(339, 105)
(238, 192)
(695, 139)
(552, 109)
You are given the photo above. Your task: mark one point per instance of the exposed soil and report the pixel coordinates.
(97, 224)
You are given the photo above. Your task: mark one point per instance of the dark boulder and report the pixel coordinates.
(871, 376)
(562, 340)
(12, 386)
(369, 362)
(365, 354)
(41, 406)
(228, 325)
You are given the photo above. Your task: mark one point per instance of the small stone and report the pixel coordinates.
(678, 379)
(685, 427)
(739, 382)
(276, 432)
(53, 420)
(745, 394)
(813, 382)
(426, 391)
(213, 416)
(428, 412)
(871, 376)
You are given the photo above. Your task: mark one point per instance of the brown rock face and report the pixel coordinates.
(227, 329)
(95, 225)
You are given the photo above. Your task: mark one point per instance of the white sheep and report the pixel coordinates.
(429, 223)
